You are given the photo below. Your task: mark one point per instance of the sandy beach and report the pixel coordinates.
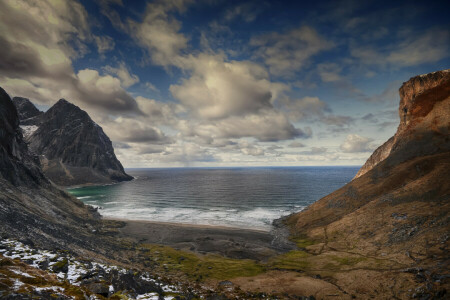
(203, 239)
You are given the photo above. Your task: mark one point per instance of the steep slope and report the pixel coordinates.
(410, 106)
(72, 148)
(398, 209)
(31, 207)
(28, 113)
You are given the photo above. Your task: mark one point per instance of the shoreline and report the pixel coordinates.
(230, 242)
(189, 225)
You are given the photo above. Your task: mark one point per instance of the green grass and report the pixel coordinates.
(201, 267)
(292, 260)
(302, 241)
(348, 261)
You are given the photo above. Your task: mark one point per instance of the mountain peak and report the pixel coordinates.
(26, 110)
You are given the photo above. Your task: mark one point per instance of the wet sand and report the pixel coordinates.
(227, 241)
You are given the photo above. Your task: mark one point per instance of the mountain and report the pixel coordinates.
(28, 113)
(411, 108)
(31, 207)
(391, 222)
(73, 149)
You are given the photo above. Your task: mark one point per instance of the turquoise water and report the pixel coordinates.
(237, 197)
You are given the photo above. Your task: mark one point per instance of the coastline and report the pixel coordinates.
(230, 242)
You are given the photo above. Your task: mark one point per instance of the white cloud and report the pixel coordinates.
(219, 89)
(123, 74)
(356, 143)
(159, 31)
(305, 108)
(40, 40)
(134, 131)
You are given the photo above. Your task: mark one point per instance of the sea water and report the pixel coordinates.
(235, 197)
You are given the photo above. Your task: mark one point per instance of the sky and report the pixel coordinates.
(219, 83)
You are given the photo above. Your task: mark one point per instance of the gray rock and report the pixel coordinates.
(72, 148)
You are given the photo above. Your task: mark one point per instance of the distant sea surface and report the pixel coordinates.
(234, 197)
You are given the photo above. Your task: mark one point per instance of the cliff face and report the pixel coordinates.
(31, 207)
(72, 148)
(28, 113)
(415, 105)
(398, 210)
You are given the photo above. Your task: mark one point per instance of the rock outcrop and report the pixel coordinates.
(413, 107)
(72, 148)
(31, 207)
(28, 113)
(398, 209)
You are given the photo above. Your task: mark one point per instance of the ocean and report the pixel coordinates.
(235, 197)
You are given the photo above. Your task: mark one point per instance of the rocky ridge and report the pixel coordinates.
(72, 148)
(397, 210)
(412, 106)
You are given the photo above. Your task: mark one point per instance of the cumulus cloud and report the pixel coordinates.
(218, 89)
(305, 108)
(159, 112)
(102, 92)
(134, 131)
(356, 143)
(286, 53)
(248, 148)
(123, 74)
(159, 31)
(267, 126)
(40, 41)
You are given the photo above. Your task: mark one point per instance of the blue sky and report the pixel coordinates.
(226, 83)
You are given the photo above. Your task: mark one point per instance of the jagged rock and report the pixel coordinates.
(72, 148)
(132, 282)
(31, 207)
(28, 113)
(99, 288)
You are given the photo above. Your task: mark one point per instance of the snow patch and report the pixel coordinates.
(28, 130)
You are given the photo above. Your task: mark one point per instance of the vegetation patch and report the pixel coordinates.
(293, 260)
(302, 241)
(202, 267)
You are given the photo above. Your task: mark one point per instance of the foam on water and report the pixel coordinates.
(239, 197)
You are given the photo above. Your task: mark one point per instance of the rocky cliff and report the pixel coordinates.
(413, 106)
(28, 113)
(388, 228)
(72, 148)
(31, 207)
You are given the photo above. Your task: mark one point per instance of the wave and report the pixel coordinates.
(258, 218)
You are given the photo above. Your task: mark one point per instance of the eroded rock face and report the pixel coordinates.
(28, 113)
(414, 87)
(400, 206)
(31, 207)
(414, 106)
(72, 148)
(16, 164)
